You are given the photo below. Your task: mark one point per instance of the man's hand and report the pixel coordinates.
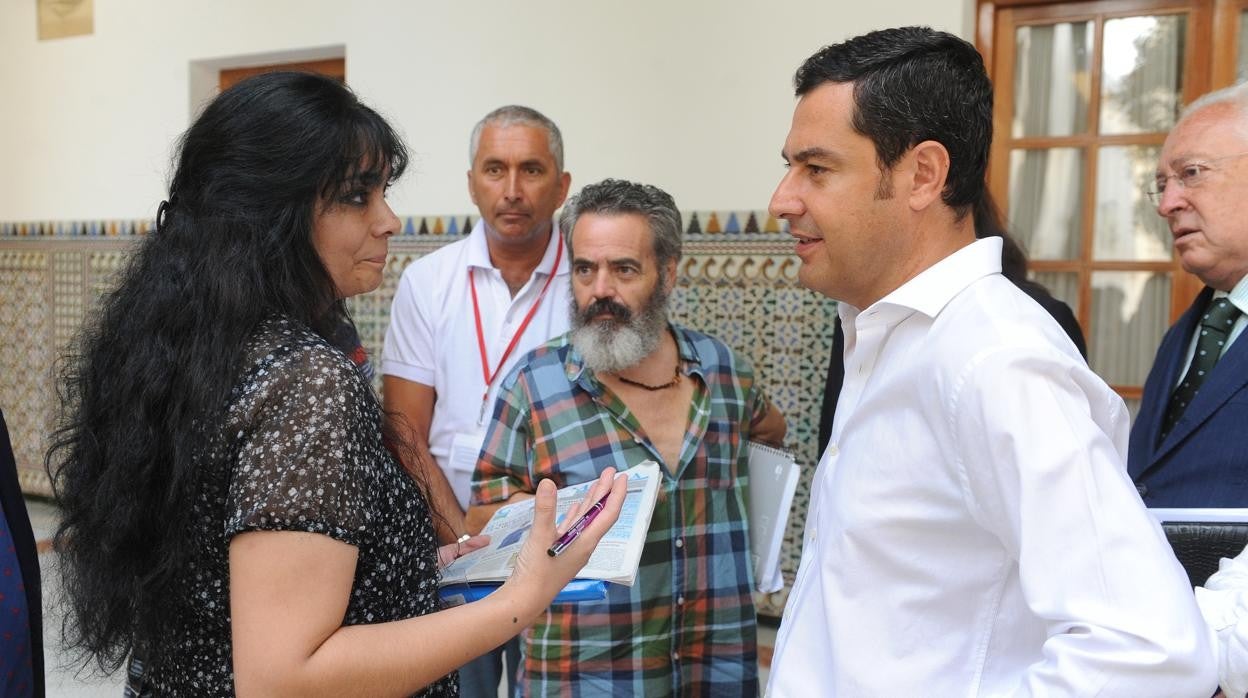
(770, 428)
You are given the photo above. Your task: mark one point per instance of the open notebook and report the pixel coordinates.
(615, 559)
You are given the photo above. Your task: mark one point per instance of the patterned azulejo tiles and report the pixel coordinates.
(745, 223)
(738, 282)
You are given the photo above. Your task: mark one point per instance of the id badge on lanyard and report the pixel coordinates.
(488, 375)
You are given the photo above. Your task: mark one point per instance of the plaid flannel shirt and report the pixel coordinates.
(687, 626)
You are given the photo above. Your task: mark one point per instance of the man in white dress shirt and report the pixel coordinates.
(972, 530)
(463, 315)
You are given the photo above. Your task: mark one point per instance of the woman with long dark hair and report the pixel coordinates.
(233, 516)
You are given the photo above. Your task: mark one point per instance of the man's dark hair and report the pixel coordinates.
(914, 84)
(613, 197)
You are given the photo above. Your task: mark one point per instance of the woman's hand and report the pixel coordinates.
(453, 551)
(538, 576)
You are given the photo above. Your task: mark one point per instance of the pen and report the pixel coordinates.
(587, 518)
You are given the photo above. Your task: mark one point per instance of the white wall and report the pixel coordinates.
(692, 95)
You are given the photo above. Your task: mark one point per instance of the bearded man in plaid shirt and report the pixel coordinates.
(623, 386)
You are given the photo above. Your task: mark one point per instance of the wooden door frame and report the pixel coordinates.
(1212, 23)
(332, 67)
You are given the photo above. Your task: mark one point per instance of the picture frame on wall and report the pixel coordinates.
(59, 19)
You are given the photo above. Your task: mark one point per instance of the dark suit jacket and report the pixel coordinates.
(836, 365)
(24, 545)
(1203, 462)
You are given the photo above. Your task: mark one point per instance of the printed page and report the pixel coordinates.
(615, 559)
(622, 544)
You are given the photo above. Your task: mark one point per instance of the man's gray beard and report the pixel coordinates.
(614, 345)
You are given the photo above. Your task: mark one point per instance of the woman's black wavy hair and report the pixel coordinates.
(155, 366)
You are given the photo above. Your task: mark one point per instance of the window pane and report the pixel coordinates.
(1129, 315)
(1127, 225)
(1241, 60)
(1051, 79)
(1142, 73)
(1046, 201)
(1063, 285)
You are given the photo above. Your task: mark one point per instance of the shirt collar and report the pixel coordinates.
(933, 288)
(1238, 295)
(479, 250)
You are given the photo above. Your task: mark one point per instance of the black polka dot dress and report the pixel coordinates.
(300, 450)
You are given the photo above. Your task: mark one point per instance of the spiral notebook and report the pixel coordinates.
(773, 481)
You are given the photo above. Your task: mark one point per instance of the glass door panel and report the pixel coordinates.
(1046, 201)
(1127, 226)
(1241, 57)
(1142, 73)
(1051, 79)
(1062, 284)
(1130, 311)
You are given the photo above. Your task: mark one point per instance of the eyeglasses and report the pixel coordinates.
(1190, 175)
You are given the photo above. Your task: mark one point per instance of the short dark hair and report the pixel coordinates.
(913, 84)
(616, 197)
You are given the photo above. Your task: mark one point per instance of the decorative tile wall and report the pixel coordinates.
(738, 282)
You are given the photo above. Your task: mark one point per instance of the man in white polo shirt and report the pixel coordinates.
(463, 316)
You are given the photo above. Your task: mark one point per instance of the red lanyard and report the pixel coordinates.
(476, 311)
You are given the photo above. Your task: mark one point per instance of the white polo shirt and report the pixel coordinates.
(432, 339)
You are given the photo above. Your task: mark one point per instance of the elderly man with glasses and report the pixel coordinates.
(1189, 442)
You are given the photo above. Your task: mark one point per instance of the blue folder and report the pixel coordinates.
(576, 591)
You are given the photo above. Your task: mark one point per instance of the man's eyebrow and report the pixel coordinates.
(810, 154)
(613, 262)
(1185, 158)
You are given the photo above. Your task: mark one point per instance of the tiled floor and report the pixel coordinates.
(65, 681)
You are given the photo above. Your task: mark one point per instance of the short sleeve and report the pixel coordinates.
(307, 444)
(409, 349)
(756, 398)
(752, 395)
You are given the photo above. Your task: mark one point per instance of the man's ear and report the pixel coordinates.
(930, 168)
(565, 183)
(472, 191)
(669, 271)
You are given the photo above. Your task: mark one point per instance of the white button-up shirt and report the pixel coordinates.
(1223, 601)
(432, 337)
(972, 529)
